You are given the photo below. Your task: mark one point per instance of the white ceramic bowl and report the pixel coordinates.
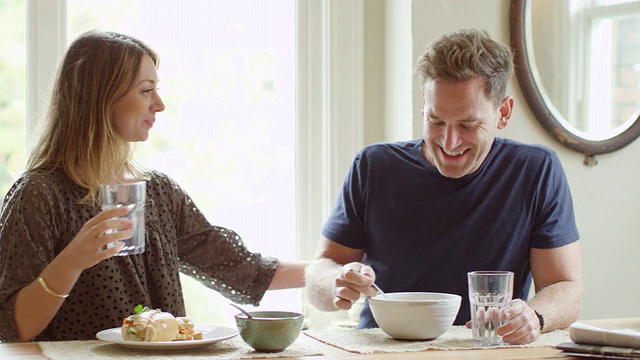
(415, 315)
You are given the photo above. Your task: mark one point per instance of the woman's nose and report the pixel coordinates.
(158, 104)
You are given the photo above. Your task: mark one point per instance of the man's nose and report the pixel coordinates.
(450, 138)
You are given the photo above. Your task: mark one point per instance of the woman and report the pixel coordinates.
(58, 280)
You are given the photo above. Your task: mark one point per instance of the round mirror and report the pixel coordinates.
(578, 64)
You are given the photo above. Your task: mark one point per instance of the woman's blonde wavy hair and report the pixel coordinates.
(78, 135)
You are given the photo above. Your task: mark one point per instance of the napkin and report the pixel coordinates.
(598, 351)
(581, 333)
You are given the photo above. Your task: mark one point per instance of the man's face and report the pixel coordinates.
(460, 122)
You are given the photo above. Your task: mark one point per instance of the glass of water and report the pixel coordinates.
(489, 295)
(132, 196)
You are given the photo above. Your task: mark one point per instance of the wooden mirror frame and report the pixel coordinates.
(541, 111)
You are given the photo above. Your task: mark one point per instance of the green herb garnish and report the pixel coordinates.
(140, 309)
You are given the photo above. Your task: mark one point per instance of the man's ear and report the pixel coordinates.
(505, 110)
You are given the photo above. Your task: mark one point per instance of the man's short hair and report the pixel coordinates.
(465, 54)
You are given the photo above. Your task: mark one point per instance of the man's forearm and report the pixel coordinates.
(320, 283)
(559, 304)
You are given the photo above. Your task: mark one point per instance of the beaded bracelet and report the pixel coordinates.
(540, 320)
(49, 291)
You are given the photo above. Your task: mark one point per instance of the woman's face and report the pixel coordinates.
(135, 113)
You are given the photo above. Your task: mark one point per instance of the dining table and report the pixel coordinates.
(32, 350)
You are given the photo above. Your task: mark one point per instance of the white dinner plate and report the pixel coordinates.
(211, 335)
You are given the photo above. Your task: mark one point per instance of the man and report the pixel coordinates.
(421, 214)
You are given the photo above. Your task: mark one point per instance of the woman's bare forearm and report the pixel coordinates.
(288, 275)
(35, 307)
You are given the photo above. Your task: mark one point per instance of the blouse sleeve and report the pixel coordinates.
(217, 257)
(26, 230)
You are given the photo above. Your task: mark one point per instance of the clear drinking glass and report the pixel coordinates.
(133, 196)
(489, 295)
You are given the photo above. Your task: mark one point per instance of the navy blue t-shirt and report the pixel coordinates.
(422, 231)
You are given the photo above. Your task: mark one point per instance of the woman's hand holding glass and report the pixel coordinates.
(89, 246)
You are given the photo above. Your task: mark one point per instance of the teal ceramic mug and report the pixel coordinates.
(269, 331)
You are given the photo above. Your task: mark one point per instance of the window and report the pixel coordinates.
(227, 134)
(326, 111)
(13, 95)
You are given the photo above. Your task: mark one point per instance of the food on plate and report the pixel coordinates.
(186, 330)
(150, 325)
(153, 325)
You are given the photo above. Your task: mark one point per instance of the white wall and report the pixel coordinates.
(605, 196)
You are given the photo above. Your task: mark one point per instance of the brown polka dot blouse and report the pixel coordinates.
(40, 216)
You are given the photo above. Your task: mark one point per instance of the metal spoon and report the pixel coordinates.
(380, 291)
(241, 310)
